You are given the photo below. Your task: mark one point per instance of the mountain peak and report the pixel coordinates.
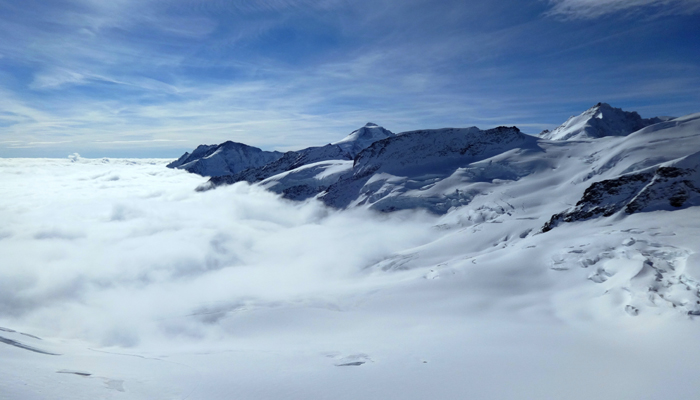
(224, 159)
(360, 139)
(598, 121)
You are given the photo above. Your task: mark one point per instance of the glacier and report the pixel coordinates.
(440, 263)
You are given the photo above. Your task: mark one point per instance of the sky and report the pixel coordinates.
(155, 78)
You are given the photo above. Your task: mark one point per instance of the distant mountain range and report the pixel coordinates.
(607, 180)
(603, 162)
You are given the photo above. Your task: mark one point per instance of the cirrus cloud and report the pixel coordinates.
(588, 9)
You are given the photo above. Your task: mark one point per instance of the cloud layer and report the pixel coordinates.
(118, 252)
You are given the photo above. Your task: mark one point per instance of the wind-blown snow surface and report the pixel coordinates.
(118, 281)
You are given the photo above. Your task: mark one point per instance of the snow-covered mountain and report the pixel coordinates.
(440, 169)
(656, 168)
(362, 138)
(289, 161)
(508, 255)
(599, 121)
(510, 187)
(345, 149)
(224, 159)
(399, 172)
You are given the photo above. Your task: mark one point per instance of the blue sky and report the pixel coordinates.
(153, 78)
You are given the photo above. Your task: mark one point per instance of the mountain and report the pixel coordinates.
(224, 159)
(345, 149)
(546, 257)
(608, 197)
(398, 172)
(668, 186)
(642, 177)
(440, 169)
(362, 138)
(599, 121)
(626, 165)
(289, 161)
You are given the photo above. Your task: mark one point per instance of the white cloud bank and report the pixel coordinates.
(114, 250)
(159, 292)
(588, 9)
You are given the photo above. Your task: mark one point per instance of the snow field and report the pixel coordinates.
(160, 292)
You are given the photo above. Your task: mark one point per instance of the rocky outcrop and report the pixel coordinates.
(667, 186)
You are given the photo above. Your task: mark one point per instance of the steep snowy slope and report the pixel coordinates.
(289, 161)
(667, 186)
(308, 180)
(362, 138)
(224, 159)
(345, 149)
(199, 152)
(387, 174)
(599, 121)
(656, 168)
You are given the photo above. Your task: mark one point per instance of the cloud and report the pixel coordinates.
(125, 250)
(284, 74)
(588, 9)
(56, 79)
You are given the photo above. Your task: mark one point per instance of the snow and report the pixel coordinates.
(225, 159)
(599, 121)
(362, 138)
(159, 292)
(308, 180)
(345, 149)
(119, 281)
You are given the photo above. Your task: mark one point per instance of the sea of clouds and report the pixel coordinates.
(119, 251)
(124, 257)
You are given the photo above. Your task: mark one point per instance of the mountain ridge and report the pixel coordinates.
(440, 169)
(599, 121)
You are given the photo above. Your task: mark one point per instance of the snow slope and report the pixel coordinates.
(599, 121)
(289, 161)
(132, 286)
(496, 276)
(362, 138)
(345, 149)
(308, 180)
(383, 172)
(224, 159)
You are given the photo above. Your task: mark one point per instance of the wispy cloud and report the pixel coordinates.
(588, 9)
(286, 74)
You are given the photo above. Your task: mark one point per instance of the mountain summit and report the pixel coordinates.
(599, 121)
(224, 159)
(362, 138)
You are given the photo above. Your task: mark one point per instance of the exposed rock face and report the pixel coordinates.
(599, 121)
(664, 187)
